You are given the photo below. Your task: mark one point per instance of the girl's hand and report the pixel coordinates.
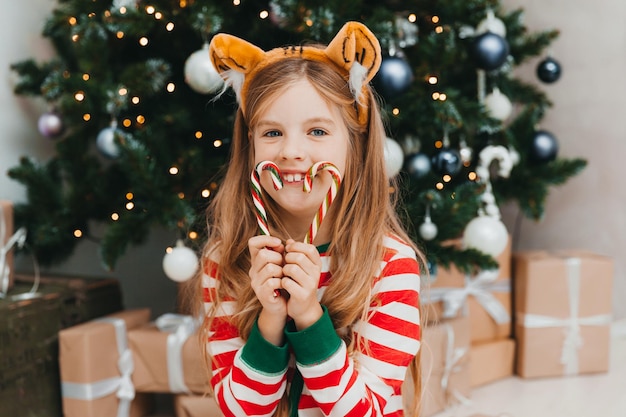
(301, 272)
(266, 272)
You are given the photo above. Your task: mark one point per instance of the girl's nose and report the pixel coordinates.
(291, 148)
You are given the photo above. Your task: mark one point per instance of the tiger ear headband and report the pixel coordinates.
(354, 52)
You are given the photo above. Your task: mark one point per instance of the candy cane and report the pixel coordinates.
(330, 195)
(255, 186)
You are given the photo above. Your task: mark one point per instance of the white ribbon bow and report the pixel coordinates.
(481, 287)
(180, 328)
(572, 340)
(18, 238)
(452, 365)
(122, 386)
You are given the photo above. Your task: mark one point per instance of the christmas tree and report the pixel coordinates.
(141, 139)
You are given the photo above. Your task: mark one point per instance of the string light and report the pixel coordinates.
(115, 217)
(85, 77)
(140, 119)
(217, 143)
(72, 21)
(439, 144)
(472, 176)
(181, 195)
(435, 95)
(79, 95)
(127, 122)
(173, 170)
(447, 178)
(129, 195)
(236, 2)
(435, 19)
(150, 9)
(264, 14)
(395, 111)
(75, 38)
(198, 135)
(193, 235)
(439, 186)
(135, 100)
(205, 193)
(143, 41)
(78, 233)
(412, 18)
(169, 27)
(119, 34)
(170, 87)
(439, 29)
(86, 117)
(130, 205)
(432, 80)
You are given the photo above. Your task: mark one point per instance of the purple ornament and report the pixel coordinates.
(50, 125)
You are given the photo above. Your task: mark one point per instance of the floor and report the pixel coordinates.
(601, 395)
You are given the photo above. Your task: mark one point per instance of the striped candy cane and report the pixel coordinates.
(330, 195)
(255, 186)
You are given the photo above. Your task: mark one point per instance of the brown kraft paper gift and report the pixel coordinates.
(7, 242)
(491, 361)
(90, 361)
(486, 298)
(445, 367)
(168, 360)
(563, 312)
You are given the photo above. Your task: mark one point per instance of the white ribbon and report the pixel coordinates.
(452, 365)
(180, 328)
(122, 386)
(572, 340)
(18, 238)
(481, 287)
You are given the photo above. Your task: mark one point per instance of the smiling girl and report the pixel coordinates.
(296, 328)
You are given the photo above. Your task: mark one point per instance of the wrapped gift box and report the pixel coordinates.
(96, 367)
(563, 312)
(6, 252)
(168, 359)
(444, 366)
(491, 361)
(486, 298)
(196, 406)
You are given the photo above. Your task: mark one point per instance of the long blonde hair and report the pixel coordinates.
(364, 209)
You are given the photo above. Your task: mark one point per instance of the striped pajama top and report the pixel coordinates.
(250, 377)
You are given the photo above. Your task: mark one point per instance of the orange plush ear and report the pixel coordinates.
(355, 43)
(233, 58)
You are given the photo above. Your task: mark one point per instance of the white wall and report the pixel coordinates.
(588, 118)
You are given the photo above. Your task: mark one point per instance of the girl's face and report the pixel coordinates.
(297, 129)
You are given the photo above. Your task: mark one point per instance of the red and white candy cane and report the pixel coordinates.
(255, 186)
(330, 195)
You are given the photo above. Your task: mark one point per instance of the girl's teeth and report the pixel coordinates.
(293, 177)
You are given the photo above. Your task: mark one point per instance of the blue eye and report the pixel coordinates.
(318, 132)
(272, 133)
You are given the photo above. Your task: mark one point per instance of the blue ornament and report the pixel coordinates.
(394, 77)
(489, 51)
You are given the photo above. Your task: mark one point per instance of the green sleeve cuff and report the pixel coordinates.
(316, 343)
(263, 356)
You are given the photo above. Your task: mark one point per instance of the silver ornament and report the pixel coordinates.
(106, 141)
(394, 157)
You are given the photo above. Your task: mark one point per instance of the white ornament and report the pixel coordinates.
(181, 263)
(394, 157)
(491, 24)
(106, 141)
(486, 234)
(118, 4)
(428, 230)
(498, 105)
(200, 73)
